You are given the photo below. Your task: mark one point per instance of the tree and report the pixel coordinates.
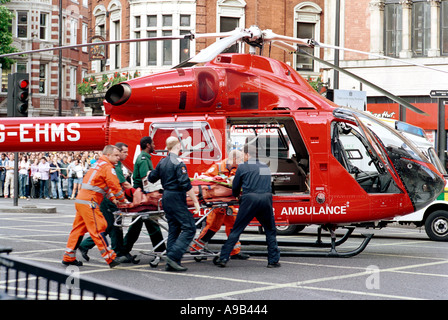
(6, 35)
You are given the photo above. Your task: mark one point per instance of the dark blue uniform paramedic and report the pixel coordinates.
(254, 177)
(176, 186)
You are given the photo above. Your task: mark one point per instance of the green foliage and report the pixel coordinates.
(5, 35)
(90, 84)
(316, 84)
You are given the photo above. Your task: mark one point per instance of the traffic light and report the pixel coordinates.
(18, 93)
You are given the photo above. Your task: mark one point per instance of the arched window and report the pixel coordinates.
(231, 14)
(307, 26)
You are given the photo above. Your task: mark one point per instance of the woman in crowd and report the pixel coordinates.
(24, 168)
(78, 174)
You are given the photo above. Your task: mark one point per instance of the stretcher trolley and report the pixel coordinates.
(149, 206)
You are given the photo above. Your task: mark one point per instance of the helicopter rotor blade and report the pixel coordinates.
(219, 46)
(329, 46)
(90, 44)
(295, 50)
(270, 36)
(391, 96)
(209, 53)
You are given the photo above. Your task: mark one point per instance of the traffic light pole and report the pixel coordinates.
(16, 179)
(442, 98)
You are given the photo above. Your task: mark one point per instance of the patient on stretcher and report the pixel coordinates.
(205, 187)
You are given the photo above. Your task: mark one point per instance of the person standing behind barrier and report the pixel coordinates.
(54, 178)
(99, 182)
(3, 160)
(63, 177)
(254, 177)
(142, 166)
(35, 179)
(176, 186)
(24, 167)
(77, 175)
(9, 180)
(44, 170)
(71, 176)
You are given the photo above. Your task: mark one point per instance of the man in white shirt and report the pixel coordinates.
(9, 181)
(44, 169)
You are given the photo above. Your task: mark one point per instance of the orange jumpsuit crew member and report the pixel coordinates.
(99, 181)
(218, 216)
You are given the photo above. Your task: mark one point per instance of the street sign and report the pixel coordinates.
(438, 94)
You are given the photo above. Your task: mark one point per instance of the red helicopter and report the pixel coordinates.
(217, 102)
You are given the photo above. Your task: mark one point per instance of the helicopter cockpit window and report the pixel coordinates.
(197, 139)
(279, 145)
(352, 150)
(397, 160)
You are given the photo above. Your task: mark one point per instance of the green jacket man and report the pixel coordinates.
(142, 166)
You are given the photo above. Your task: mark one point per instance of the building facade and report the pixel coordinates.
(35, 25)
(414, 31)
(115, 19)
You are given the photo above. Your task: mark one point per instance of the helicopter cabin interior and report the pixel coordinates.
(279, 144)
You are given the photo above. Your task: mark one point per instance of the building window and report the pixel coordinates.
(4, 80)
(167, 20)
(231, 14)
(152, 21)
(444, 28)
(165, 52)
(167, 49)
(22, 24)
(73, 31)
(185, 25)
(421, 28)
(393, 25)
(184, 53)
(43, 26)
(85, 32)
(152, 49)
(73, 83)
(117, 30)
(229, 24)
(137, 49)
(305, 31)
(307, 26)
(42, 79)
(21, 67)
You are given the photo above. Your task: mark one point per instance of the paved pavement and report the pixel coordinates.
(399, 263)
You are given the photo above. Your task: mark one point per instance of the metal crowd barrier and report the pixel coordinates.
(27, 280)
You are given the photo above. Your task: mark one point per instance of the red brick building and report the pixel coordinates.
(114, 20)
(36, 26)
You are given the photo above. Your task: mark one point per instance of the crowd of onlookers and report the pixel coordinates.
(45, 175)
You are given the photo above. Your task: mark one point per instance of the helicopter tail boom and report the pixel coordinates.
(53, 134)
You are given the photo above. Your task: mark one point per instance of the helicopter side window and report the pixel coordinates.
(349, 147)
(197, 139)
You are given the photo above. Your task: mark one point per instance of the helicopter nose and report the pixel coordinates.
(422, 182)
(118, 94)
